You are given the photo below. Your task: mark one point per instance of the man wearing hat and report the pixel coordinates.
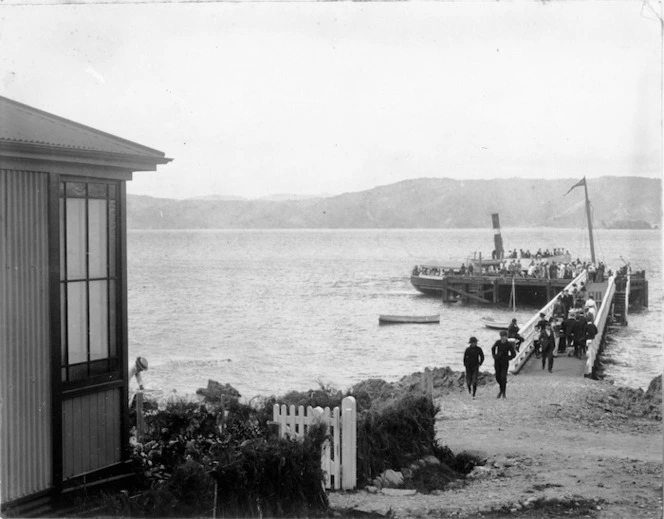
(141, 364)
(502, 352)
(472, 360)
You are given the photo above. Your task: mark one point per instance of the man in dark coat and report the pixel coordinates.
(548, 345)
(591, 332)
(569, 324)
(513, 333)
(539, 328)
(502, 352)
(579, 333)
(472, 360)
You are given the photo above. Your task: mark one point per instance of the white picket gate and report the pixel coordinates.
(339, 457)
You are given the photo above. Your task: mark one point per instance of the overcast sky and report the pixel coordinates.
(254, 99)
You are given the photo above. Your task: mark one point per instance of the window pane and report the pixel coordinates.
(97, 238)
(112, 316)
(99, 367)
(97, 190)
(62, 239)
(77, 330)
(78, 372)
(75, 238)
(63, 325)
(98, 320)
(75, 189)
(112, 238)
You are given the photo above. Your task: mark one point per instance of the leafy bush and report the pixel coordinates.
(395, 436)
(274, 478)
(189, 447)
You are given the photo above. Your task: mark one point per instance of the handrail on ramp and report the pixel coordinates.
(600, 323)
(528, 331)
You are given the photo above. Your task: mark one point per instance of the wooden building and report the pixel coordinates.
(63, 306)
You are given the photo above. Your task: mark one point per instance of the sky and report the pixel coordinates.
(258, 99)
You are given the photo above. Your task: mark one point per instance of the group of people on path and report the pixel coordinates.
(575, 330)
(502, 352)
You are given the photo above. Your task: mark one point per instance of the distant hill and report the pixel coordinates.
(420, 203)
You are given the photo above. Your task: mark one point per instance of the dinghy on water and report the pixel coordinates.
(494, 324)
(409, 319)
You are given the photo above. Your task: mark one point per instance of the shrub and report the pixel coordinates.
(189, 447)
(273, 478)
(395, 436)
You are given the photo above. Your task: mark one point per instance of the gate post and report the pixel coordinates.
(348, 443)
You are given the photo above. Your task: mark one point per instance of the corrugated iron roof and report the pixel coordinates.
(25, 125)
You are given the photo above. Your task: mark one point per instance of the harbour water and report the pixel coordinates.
(270, 311)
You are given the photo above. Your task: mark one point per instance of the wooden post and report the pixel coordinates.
(348, 443)
(140, 419)
(427, 383)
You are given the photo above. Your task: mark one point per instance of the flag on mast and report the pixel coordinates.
(581, 182)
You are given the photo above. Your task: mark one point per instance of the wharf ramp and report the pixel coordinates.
(565, 366)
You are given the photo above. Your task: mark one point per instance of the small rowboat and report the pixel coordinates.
(492, 323)
(403, 319)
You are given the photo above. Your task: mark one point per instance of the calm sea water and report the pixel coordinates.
(270, 311)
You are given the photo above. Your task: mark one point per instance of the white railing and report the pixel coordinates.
(627, 288)
(339, 456)
(528, 331)
(600, 323)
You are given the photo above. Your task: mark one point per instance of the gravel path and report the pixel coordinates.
(562, 441)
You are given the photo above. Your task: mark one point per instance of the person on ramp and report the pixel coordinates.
(548, 343)
(472, 360)
(502, 352)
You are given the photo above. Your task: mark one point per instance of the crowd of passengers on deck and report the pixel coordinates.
(527, 254)
(536, 268)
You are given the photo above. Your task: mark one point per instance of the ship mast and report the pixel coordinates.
(590, 224)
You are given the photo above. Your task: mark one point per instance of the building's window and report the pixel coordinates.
(88, 279)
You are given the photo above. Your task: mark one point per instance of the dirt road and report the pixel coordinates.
(556, 447)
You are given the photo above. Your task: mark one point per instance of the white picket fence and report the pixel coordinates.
(339, 457)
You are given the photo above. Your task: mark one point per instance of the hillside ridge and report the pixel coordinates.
(440, 203)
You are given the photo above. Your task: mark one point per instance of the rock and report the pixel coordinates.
(371, 489)
(431, 460)
(392, 478)
(216, 393)
(481, 455)
(479, 472)
(407, 473)
(399, 492)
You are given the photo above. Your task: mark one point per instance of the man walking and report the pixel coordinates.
(502, 352)
(548, 344)
(472, 360)
(579, 332)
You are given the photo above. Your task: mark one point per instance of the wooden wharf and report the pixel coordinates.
(485, 289)
(610, 309)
